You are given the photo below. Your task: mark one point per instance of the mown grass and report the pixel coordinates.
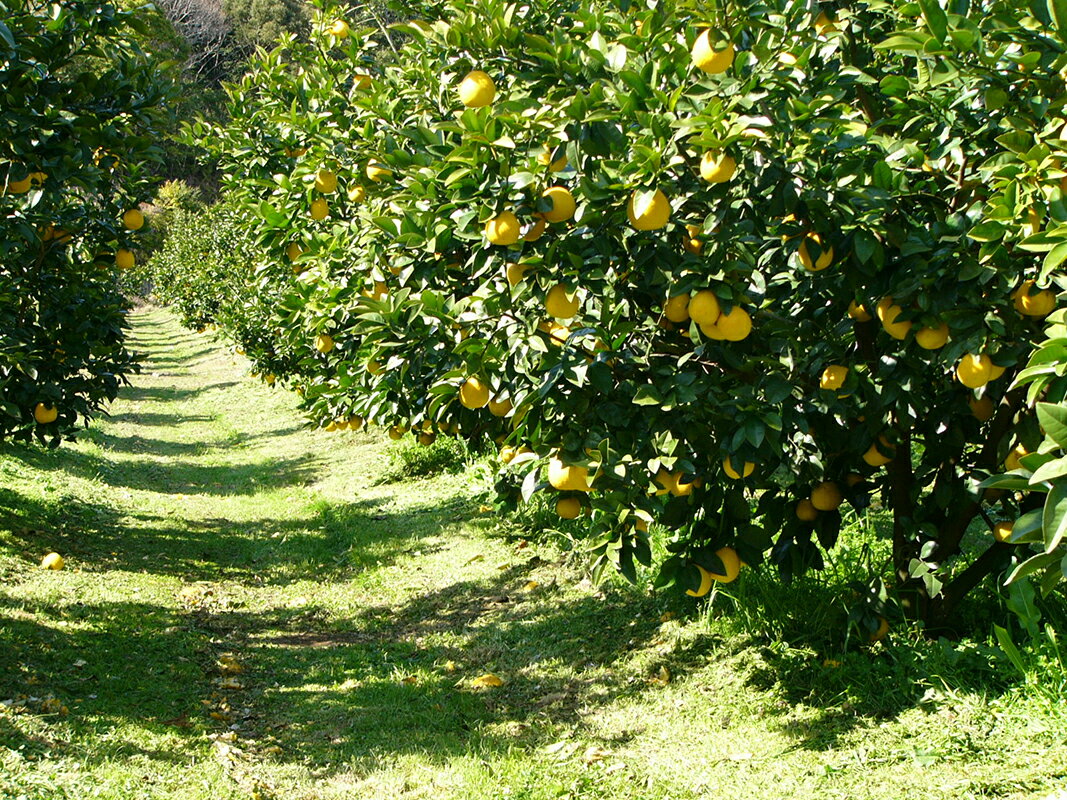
(251, 609)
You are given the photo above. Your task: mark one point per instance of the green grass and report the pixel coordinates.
(204, 527)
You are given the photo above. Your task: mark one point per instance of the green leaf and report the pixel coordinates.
(986, 232)
(1032, 565)
(936, 19)
(1050, 470)
(1056, 256)
(1053, 420)
(1054, 520)
(1057, 10)
(1009, 648)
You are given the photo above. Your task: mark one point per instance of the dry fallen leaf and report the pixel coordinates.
(472, 559)
(594, 753)
(411, 679)
(228, 665)
(449, 666)
(484, 509)
(486, 680)
(531, 585)
(662, 678)
(231, 684)
(666, 616)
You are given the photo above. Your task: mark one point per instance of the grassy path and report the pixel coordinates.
(248, 611)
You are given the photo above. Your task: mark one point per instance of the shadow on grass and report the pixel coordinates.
(180, 477)
(331, 697)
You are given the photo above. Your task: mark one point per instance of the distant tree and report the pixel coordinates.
(261, 22)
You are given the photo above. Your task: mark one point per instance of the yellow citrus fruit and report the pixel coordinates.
(712, 332)
(375, 367)
(883, 629)
(502, 229)
(294, 251)
(995, 371)
(52, 561)
(746, 470)
(705, 583)
(676, 308)
(824, 24)
(361, 81)
(569, 507)
(833, 377)
(133, 219)
(875, 457)
(561, 304)
(567, 477)
(357, 193)
(339, 28)
(320, 209)
(325, 181)
(735, 324)
(536, 231)
(717, 167)
(692, 242)
(826, 254)
(396, 432)
(515, 272)
(1038, 304)
(45, 414)
(124, 259)
(500, 407)
(476, 89)
(324, 343)
(731, 565)
(649, 214)
(707, 58)
(981, 407)
(806, 512)
(704, 308)
(1002, 531)
(19, 187)
(888, 311)
(858, 312)
(1012, 460)
(377, 171)
(681, 488)
(545, 159)
(668, 482)
(474, 393)
(932, 338)
(426, 439)
(826, 496)
(562, 204)
(974, 370)
(507, 454)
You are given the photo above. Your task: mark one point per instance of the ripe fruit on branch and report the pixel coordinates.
(325, 181)
(567, 477)
(562, 204)
(45, 414)
(503, 229)
(974, 370)
(648, 212)
(474, 393)
(712, 57)
(825, 258)
(826, 496)
(477, 89)
(717, 167)
(569, 507)
(833, 377)
(561, 303)
(746, 470)
(133, 219)
(932, 338)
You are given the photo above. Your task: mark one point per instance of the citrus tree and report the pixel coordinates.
(728, 270)
(78, 101)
